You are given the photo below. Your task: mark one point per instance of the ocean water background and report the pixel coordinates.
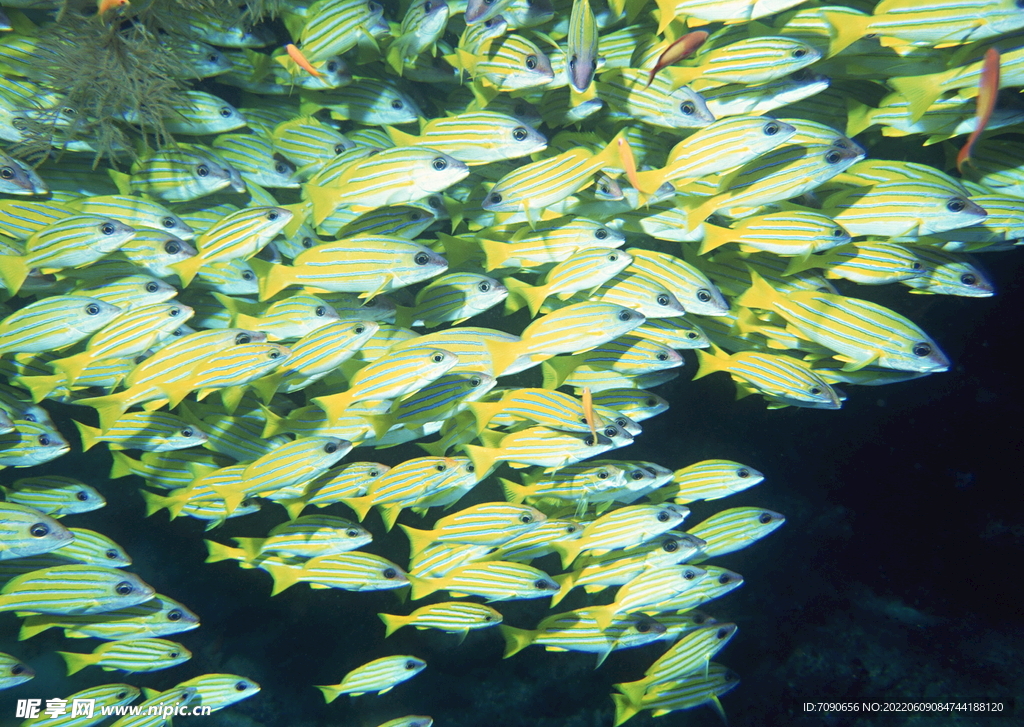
(894, 579)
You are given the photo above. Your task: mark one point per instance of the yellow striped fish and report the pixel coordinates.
(141, 655)
(734, 529)
(475, 137)
(626, 528)
(453, 617)
(495, 581)
(74, 589)
(380, 676)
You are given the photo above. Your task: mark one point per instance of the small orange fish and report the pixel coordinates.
(679, 50)
(102, 6)
(628, 161)
(296, 55)
(988, 90)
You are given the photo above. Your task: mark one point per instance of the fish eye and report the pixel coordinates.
(625, 315)
(39, 530)
(272, 215)
(601, 234)
(967, 278)
(602, 474)
(202, 171)
(174, 312)
(175, 615)
(421, 258)
(226, 112)
(670, 546)
(470, 468)
(18, 123)
(152, 287)
(662, 356)
(915, 265)
(389, 573)
(833, 157)
(722, 633)
(124, 588)
(248, 275)
(531, 62)
(643, 627)
(439, 164)
(838, 232)
(359, 329)
(484, 287)
(332, 66)
(689, 575)
(771, 129)
(173, 655)
(519, 133)
(691, 335)
(435, 202)
(17, 669)
(572, 63)
(494, 199)
(339, 148)
(764, 518)
(799, 52)
(122, 695)
(373, 473)
(213, 58)
(571, 529)
(320, 311)
(662, 299)
(352, 533)
(815, 390)
(725, 579)
(437, 357)
(687, 108)
(92, 309)
(636, 475)
(330, 448)
(526, 518)
(621, 423)
(664, 517)
(922, 350)
(171, 247)
(81, 495)
(589, 440)
(274, 355)
(440, 467)
(6, 173)
(108, 228)
(281, 168)
(704, 296)
(397, 104)
(243, 338)
(44, 440)
(540, 584)
(743, 473)
(610, 431)
(111, 554)
(307, 242)
(956, 205)
(187, 432)
(241, 686)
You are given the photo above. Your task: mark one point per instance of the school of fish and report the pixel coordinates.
(488, 227)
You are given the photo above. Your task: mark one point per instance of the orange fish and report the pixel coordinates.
(588, 411)
(296, 55)
(628, 161)
(679, 50)
(988, 90)
(103, 6)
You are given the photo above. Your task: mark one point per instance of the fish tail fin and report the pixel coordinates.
(359, 505)
(273, 278)
(696, 215)
(859, 117)
(284, 577)
(249, 547)
(273, 424)
(533, 295)
(154, 502)
(90, 435)
(219, 551)
(710, 362)
(483, 458)
(759, 295)
(802, 263)
(122, 466)
(666, 14)
(920, 92)
(266, 385)
(324, 201)
(293, 506)
(418, 539)
(633, 691)
(846, 29)
(389, 515)
(603, 615)
(334, 405)
(515, 639)
(503, 355)
(401, 138)
(483, 412)
(33, 625)
(41, 386)
(649, 181)
(420, 586)
(568, 550)
(187, 269)
(624, 708)
(76, 662)
(392, 622)
(566, 582)
(330, 693)
(556, 370)
(514, 492)
(458, 249)
(714, 238)
(381, 423)
(497, 253)
(109, 408)
(13, 271)
(122, 181)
